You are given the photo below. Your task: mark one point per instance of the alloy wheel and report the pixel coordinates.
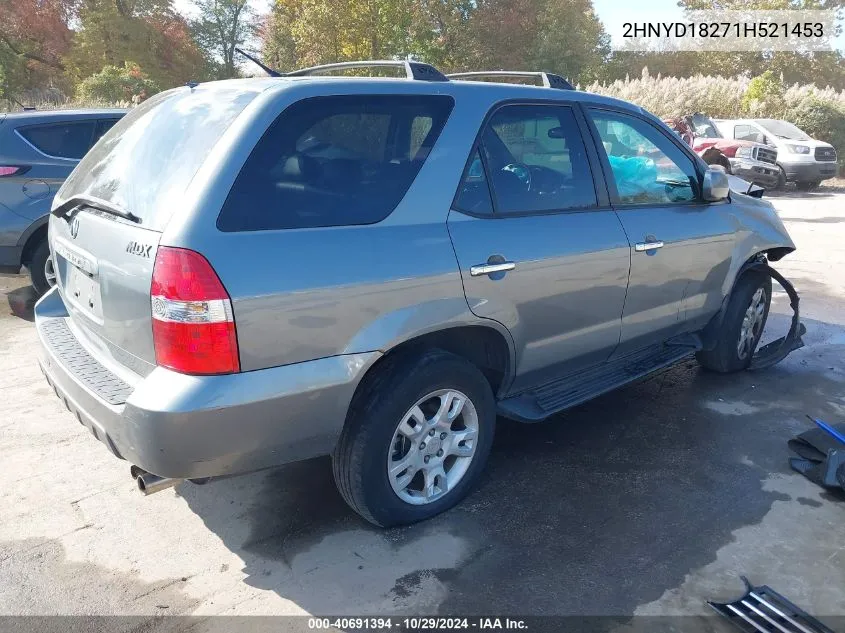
(752, 324)
(49, 272)
(432, 447)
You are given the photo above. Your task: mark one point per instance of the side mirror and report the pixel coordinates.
(715, 186)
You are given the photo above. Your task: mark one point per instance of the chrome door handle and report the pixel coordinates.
(647, 246)
(489, 269)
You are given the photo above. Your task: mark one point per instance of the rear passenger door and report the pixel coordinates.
(681, 246)
(539, 249)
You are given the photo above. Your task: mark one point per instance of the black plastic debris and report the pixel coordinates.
(821, 454)
(764, 610)
(776, 351)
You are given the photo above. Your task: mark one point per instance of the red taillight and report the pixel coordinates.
(11, 170)
(193, 324)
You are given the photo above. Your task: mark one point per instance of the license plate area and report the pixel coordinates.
(83, 291)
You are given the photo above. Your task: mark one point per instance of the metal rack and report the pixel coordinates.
(413, 70)
(549, 80)
(417, 71)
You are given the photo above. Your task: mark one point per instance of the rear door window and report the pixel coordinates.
(474, 194)
(335, 161)
(537, 160)
(61, 140)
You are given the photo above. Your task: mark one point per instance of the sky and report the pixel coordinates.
(186, 7)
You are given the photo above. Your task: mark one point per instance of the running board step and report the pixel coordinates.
(569, 391)
(765, 610)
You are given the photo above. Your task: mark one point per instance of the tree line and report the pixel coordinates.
(118, 49)
(52, 50)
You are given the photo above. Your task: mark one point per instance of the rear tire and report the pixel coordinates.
(41, 269)
(382, 433)
(742, 326)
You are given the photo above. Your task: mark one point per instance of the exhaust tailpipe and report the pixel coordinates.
(149, 484)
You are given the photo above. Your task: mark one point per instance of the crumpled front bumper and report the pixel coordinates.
(761, 173)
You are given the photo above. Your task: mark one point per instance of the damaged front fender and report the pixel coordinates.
(764, 230)
(759, 232)
(763, 238)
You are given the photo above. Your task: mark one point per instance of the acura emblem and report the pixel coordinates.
(74, 227)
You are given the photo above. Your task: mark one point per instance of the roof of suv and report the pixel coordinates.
(485, 90)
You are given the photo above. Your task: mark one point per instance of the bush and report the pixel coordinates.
(764, 96)
(113, 83)
(823, 120)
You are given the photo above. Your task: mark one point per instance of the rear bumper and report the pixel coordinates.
(761, 173)
(810, 171)
(175, 425)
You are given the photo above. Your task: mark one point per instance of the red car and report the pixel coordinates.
(751, 161)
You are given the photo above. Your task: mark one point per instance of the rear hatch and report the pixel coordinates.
(109, 215)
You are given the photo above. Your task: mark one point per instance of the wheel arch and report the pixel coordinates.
(31, 238)
(485, 345)
(710, 332)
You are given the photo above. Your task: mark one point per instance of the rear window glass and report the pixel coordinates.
(64, 140)
(332, 161)
(145, 162)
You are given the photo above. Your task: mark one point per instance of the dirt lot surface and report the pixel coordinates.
(649, 500)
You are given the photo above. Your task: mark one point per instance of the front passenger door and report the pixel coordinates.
(681, 246)
(539, 249)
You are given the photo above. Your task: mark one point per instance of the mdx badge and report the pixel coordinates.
(141, 250)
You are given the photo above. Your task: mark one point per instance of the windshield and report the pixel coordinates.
(704, 126)
(783, 129)
(146, 161)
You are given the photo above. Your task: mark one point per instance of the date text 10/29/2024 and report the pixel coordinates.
(401, 624)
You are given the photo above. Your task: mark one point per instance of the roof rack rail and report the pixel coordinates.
(413, 70)
(550, 80)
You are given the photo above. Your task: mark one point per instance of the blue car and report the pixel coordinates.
(38, 150)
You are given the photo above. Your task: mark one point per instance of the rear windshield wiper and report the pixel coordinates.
(64, 210)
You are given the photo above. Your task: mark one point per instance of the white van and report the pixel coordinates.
(803, 160)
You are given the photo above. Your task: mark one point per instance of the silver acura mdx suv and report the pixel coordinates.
(258, 271)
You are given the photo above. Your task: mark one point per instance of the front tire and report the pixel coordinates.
(742, 326)
(416, 438)
(781, 179)
(41, 269)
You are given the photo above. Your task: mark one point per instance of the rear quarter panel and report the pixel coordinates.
(12, 226)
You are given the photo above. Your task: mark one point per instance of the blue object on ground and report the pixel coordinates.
(829, 429)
